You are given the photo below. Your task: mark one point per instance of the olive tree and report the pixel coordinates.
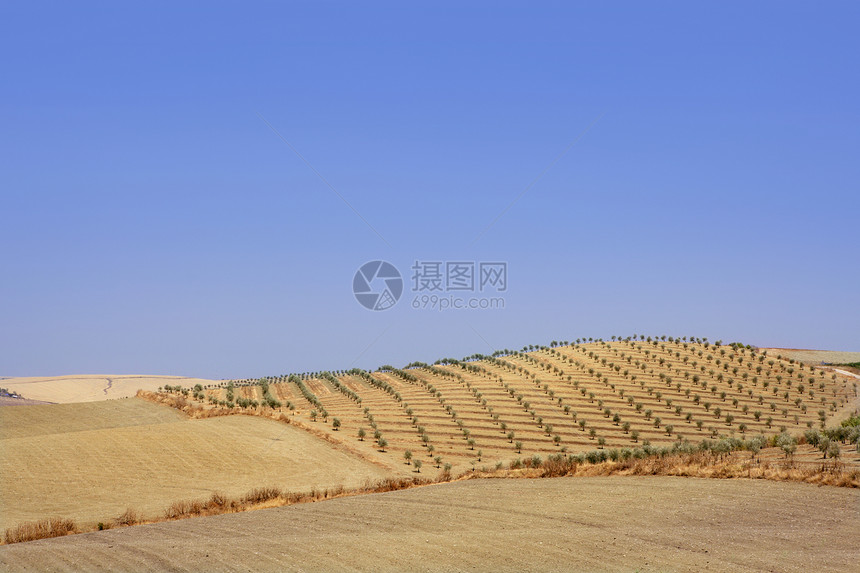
(787, 444)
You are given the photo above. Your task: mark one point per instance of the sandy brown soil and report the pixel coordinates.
(563, 524)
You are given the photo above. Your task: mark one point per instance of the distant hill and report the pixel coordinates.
(89, 388)
(817, 357)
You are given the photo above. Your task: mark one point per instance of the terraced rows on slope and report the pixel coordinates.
(555, 398)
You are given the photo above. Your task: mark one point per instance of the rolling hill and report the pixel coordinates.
(547, 399)
(192, 438)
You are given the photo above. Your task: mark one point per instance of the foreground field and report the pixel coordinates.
(91, 462)
(561, 524)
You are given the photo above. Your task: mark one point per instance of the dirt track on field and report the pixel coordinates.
(563, 524)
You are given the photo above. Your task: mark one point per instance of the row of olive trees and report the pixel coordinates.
(310, 397)
(340, 387)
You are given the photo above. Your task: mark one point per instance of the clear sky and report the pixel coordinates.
(678, 169)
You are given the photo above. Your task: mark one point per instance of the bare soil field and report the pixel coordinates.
(90, 388)
(92, 461)
(560, 524)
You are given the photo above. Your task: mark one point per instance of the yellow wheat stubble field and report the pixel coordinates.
(91, 462)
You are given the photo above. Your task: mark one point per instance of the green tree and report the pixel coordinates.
(787, 444)
(824, 445)
(833, 450)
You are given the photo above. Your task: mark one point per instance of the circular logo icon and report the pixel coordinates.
(377, 285)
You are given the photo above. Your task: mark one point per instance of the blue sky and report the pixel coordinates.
(153, 223)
